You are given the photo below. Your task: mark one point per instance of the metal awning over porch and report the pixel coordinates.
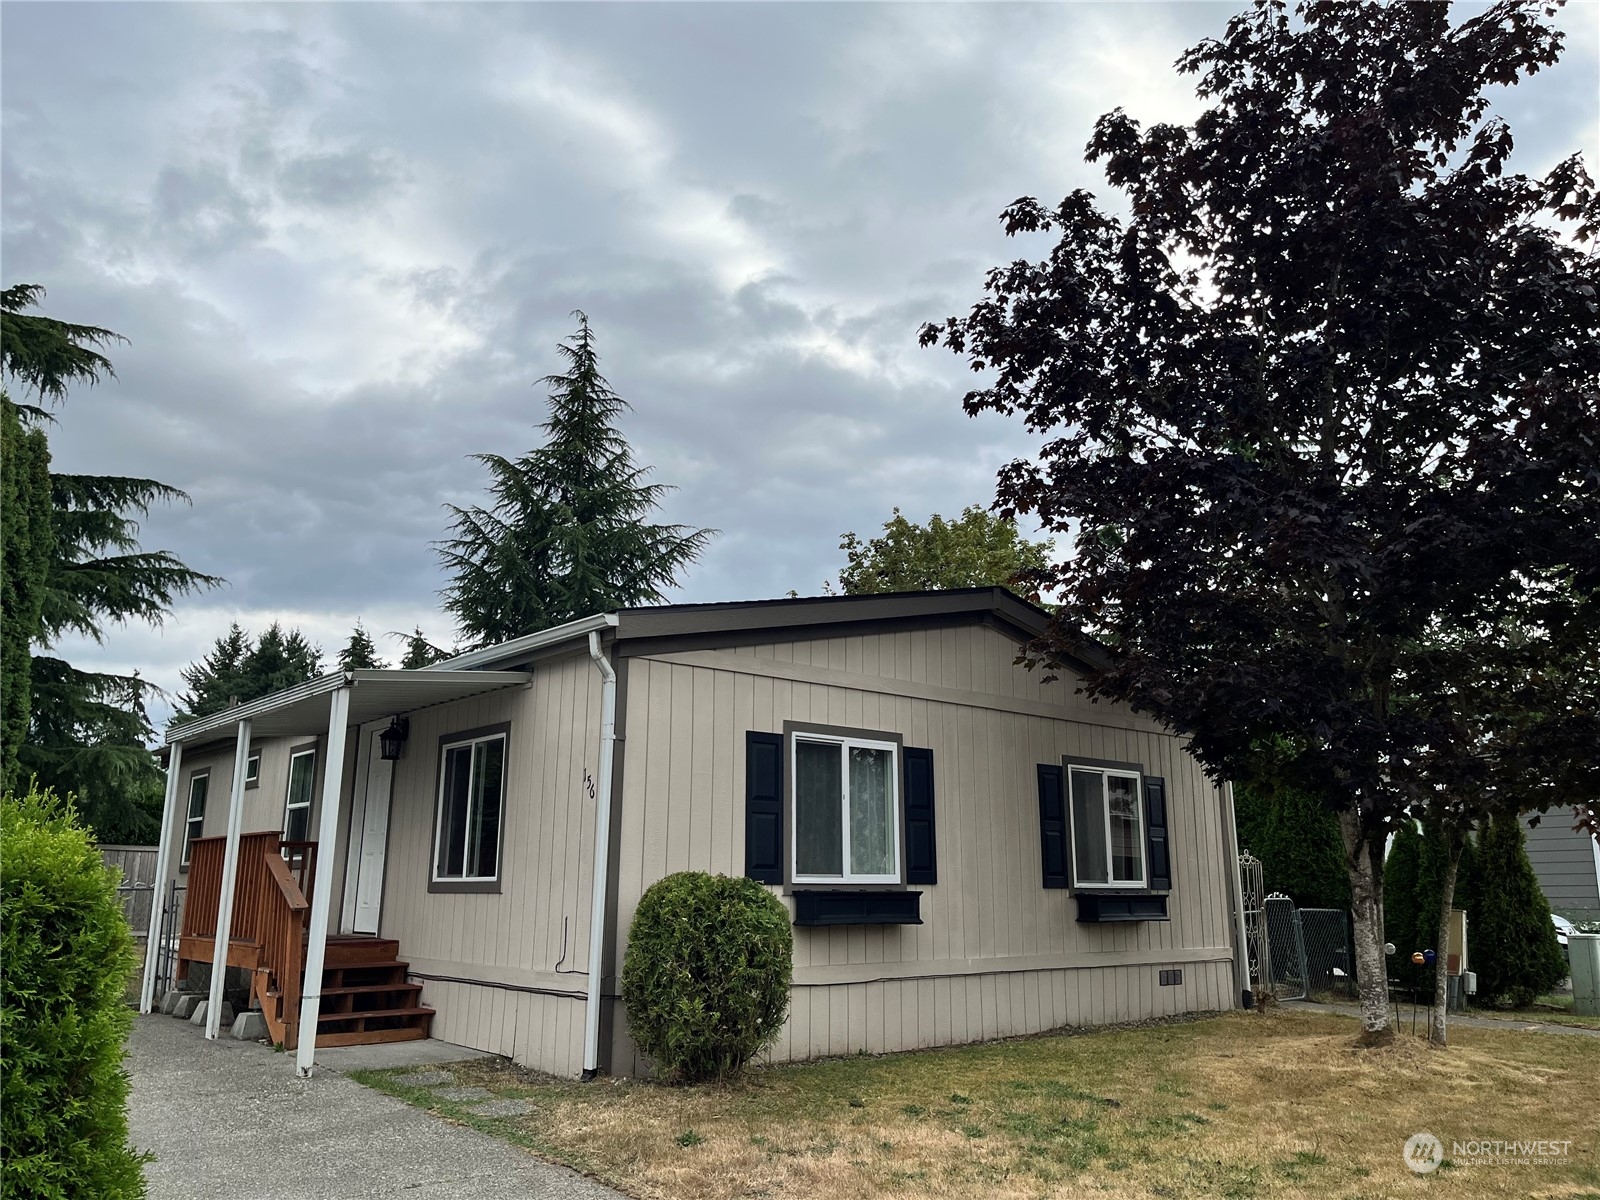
(373, 695)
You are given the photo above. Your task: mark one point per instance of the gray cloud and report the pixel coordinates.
(344, 240)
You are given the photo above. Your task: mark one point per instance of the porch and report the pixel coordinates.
(366, 997)
(261, 904)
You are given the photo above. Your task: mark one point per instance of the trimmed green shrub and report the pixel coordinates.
(706, 980)
(66, 955)
(1511, 943)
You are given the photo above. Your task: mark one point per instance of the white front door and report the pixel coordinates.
(374, 839)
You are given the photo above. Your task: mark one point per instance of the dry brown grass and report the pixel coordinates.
(1235, 1106)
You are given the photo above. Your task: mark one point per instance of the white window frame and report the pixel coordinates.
(190, 834)
(288, 793)
(438, 806)
(252, 769)
(1105, 819)
(844, 744)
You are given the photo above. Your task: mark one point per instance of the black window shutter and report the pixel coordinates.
(1052, 826)
(1155, 824)
(921, 844)
(763, 806)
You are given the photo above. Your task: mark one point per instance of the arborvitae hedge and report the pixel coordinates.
(1511, 943)
(1413, 887)
(66, 955)
(1298, 843)
(706, 980)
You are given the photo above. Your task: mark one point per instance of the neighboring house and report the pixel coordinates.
(1567, 862)
(968, 850)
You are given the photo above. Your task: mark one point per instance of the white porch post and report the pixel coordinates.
(152, 947)
(327, 836)
(230, 871)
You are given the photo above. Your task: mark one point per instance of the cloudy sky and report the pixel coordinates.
(343, 242)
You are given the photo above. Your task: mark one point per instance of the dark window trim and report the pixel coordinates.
(188, 798)
(314, 748)
(790, 728)
(469, 886)
(1068, 761)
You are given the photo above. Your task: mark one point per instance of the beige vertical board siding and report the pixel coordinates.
(513, 938)
(988, 722)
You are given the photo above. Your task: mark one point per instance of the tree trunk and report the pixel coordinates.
(1454, 839)
(1366, 902)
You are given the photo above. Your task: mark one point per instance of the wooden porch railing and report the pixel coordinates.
(271, 909)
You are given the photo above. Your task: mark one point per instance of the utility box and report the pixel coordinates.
(1583, 951)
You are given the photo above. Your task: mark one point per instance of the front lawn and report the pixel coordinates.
(1242, 1105)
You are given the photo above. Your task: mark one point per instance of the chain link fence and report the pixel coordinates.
(1294, 953)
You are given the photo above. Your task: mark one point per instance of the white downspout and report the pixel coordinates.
(602, 855)
(152, 947)
(1230, 826)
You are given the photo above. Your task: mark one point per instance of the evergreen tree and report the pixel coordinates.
(977, 549)
(27, 545)
(360, 652)
(88, 731)
(1401, 907)
(1510, 941)
(1297, 841)
(566, 534)
(238, 669)
(420, 652)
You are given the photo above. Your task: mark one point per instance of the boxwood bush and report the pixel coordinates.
(66, 955)
(706, 979)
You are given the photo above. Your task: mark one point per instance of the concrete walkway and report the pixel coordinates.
(229, 1118)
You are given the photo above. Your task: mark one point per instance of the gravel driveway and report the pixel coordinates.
(229, 1118)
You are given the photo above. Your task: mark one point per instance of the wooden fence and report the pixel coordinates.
(138, 887)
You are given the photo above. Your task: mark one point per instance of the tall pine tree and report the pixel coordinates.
(87, 731)
(566, 533)
(239, 669)
(360, 652)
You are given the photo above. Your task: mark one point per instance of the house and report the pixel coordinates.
(1567, 863)
(968, 849)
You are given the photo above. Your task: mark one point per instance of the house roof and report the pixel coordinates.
(629, 631)
(654, 628)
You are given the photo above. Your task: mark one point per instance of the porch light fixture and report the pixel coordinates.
(393, 739)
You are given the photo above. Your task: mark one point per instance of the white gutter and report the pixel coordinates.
(602, 847)
(1230, 829)
(528, 642)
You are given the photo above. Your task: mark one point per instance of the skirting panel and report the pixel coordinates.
(827, 1020)
(538, 1031)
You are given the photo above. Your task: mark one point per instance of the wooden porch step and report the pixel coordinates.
(348, 951)
(355, 988)
(371, 1037)
(372, 1014)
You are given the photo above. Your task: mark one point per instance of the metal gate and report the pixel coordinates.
(1253, 894)
(1286, 948)
(167, 952)
(1330, 966)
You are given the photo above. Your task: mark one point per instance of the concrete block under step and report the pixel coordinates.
(509, 1107)
(425, 1078)
(198, 1017)
(250, 1026)
(169, 1002)
(187, 1003)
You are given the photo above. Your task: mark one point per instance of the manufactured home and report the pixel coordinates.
(968, 848)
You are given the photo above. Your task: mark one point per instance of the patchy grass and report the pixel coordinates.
(1240, 1106)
